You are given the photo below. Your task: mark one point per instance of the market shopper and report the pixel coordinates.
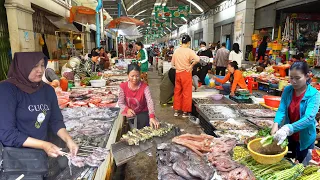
(28, 107)
(104, 59)
(236, 54)
(298, 108)
(201, 69)
(169, 54)
(135, 99)
(183, 59)
(167, 86)
(262, 48)
(234, 77)
(130, 52)
(222, 60)
(50, 77)
(142, 58)
(265, 62)
(95, 59)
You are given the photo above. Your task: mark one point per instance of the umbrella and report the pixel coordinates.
(130, 31)
(83, 15)
(114, 24)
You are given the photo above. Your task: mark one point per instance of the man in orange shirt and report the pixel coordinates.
(182, 61)
(235, 77)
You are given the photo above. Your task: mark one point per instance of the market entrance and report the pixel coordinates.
(5, 53)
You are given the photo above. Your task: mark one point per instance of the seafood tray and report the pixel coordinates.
(240, 135)
(178, 162)
(214, 112)
(77, 173)
(247, 106)
(232, 124)
(208, 100)
(263, 122)
(122, 152)
(263, 113)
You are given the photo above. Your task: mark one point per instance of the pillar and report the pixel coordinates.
(20, 25)
(245, 16)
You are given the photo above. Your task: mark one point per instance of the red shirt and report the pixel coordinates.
(139, 100)
(294, 112)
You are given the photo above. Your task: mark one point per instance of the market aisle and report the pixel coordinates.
(144, 167)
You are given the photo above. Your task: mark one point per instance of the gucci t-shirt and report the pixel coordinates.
(24, 115)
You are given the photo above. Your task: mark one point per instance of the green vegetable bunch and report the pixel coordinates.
(291, 173)
(264, 132)
(269, 140)
(265, 171)
(310, 173)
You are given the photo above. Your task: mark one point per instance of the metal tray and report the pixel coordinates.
(224, 125)
(263, 113)
(122, 152)
(209, 100)
(211, 112)
(247, 106)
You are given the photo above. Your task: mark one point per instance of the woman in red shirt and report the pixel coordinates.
(135, 99)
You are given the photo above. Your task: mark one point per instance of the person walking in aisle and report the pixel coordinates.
(143, 61)
(183, 59)
(222, 60)
(236, 55)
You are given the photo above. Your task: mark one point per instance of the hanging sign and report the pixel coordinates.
(159, 24)
(171, 12)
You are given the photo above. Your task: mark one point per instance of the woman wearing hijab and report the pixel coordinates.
(28, 107)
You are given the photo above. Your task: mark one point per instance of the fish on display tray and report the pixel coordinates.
(239, 135)
(231, 124)
(258, 112)
(203, 100)
(218, 111)
(178, 162)
(263, 122)
(246, 106)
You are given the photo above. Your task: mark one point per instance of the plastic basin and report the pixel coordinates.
(272, 101)
(217, 97)
(262, 158)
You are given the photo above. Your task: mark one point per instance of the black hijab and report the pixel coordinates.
(21, 67)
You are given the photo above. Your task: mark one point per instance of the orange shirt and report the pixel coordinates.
(238, 80)
(182, 58)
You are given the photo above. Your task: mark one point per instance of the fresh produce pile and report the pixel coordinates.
(136, 136)
(240, 152)
(86, 81)
(176, 162)
(310, 173)
(269, 140)
(87, 98)
(265, 172)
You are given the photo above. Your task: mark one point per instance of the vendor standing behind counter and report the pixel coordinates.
(28, 107)
(135, 99)
(298, 108)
